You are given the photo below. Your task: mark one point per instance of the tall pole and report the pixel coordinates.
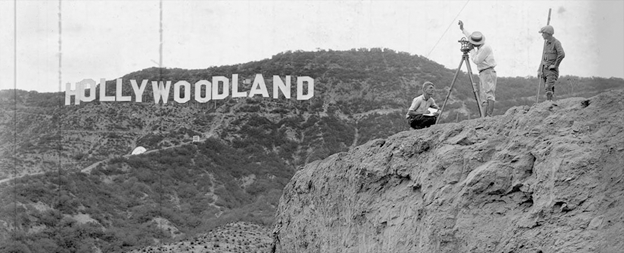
(541, 79)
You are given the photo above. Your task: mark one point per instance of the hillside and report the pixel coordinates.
(67, 170)
(546, 178)
(237, 237)
(359, 95)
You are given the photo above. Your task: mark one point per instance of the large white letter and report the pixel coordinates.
(300, 81)
(83, 96)
(279, 85)
(235, 92)
(258, 87)
(69, 92)
(187, 92)
(119, 93)
(138, 91)
(198, 88)
(161, 90)
(103, 96)
(215, 87)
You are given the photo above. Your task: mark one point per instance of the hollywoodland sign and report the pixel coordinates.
(203, 91)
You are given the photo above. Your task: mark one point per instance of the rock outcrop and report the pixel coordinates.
(546, 178)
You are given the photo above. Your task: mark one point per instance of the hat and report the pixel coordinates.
(547, 29)
(476, 38)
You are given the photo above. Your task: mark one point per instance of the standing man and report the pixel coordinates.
(418, 115)
(483, 56)
(552, 57)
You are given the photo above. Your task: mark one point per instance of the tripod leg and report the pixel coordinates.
(476, 93)
(450, 89)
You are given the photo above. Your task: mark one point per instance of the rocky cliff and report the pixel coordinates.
(546, 178)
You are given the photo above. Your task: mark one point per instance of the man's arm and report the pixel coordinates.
(560, 54)
(466, 33)
(434, 105)
(472, 51)
(414, 107)
(483, 53)
(461, 27)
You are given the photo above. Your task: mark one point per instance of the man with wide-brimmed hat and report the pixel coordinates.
(552, 57)
(483, 56)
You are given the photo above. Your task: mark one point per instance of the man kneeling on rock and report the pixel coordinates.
(418, 116)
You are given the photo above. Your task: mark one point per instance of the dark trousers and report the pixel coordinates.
(421, 121)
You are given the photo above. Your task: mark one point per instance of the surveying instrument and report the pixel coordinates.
(465, 48)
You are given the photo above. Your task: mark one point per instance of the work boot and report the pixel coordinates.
(549, 95)
(489, 111)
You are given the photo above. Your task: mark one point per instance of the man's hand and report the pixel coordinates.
(461, 25)
(552, 67)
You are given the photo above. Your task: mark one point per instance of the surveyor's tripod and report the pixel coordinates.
(465, 48)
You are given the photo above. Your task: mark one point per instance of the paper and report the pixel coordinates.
(431, 111)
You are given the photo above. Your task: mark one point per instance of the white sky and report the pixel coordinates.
(108, 39)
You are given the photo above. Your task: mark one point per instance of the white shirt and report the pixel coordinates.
(420, 106)
(483, 56)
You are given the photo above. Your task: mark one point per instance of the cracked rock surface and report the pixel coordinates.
(546, 178)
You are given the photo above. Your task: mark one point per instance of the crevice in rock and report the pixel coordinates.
(361, 189)
(379, 143)
(581, 203)
(514, 189)
(453, 133)
(416, 187)
(381, 227)
(585, 103)
(465, 142)
(420, 214)
(496, 192)
(360, 218)
(528, 203)
(404, 177)
(561, 206)
(423, 147)
(531, 168)
(383, 181)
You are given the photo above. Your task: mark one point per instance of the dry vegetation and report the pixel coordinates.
(239, 237)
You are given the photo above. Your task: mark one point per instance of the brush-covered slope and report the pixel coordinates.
(546, 178)
(68, 181)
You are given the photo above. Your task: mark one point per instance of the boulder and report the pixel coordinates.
(545, 178)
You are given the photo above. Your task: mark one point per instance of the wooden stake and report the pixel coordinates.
(539, 86)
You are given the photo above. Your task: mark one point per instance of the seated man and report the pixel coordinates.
(418, 115)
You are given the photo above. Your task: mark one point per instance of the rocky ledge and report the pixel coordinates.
(546, 178)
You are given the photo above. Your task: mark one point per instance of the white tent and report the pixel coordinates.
(139, 150)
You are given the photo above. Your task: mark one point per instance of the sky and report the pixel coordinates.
(108, 39)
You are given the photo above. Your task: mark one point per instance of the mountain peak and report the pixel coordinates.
(545, 178)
